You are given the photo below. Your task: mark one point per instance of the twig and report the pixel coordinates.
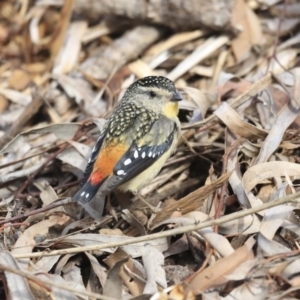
(276, 41)
(31, 156)
(178, 15)
(110, 57)
(203, 266)
(254, 89)
(37, 211)
(225, 162)
(49, 284)
(28, 113)
(192, 201)
(180, 230)
(58, 187)
(33, 175)
(77, 135)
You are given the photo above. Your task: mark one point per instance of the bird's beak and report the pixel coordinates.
(176, 96)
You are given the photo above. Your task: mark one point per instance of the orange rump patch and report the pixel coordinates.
(96, 177)
(106, 161)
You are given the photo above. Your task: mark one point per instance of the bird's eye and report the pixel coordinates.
(152, 94)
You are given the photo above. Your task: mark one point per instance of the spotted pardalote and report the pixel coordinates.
(136, 141)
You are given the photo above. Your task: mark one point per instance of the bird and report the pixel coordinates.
(138, 138)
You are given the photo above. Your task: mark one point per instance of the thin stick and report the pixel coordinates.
(180, 230)
(77, 135)
(37, 211)
(254, 89)
(28, 113)
(50, 283)
(225, 164)
(34, 174)
(276, 41)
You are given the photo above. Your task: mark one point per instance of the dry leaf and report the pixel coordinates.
(245, 20)
(27, 241)
(153, 263)
(17, 285)
(235, 123)
(260, 172)
(215, 275)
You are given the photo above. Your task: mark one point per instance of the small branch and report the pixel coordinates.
(179, 15)
(276, 41)
(33, 175)
(37, 211)
(28, 113)
(58, 187)
(50, 283)
(225, 163)
(110, 58)
(191, 202)
(254, 89)
(180, 230)
(77, 135)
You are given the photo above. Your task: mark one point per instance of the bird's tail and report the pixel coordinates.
(87, 192)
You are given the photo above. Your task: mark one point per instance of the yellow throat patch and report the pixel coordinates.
(171, 110)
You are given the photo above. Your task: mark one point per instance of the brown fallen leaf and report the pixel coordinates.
(244, 19)
(284, 119)
(16, 285)
(233, 88)
(214, 275)
(262, 171)
(19, 80)
(126, 271)
(190, 202)
(27, 240)
(236, 124)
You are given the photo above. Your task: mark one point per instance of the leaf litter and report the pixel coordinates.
(64, 65)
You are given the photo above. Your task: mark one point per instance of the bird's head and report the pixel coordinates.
(156, 93)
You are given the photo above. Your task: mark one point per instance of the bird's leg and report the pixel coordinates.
(153, 209)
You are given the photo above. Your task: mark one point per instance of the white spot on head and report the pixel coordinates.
(127, 161)
(120, 172)
(82, 193)
(143, 154)
(150, 154)
(87, 195)
(136, 154)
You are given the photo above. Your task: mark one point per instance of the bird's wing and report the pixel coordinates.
(143, 153)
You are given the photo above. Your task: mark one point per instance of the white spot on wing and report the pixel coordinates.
(87, 195)
(127, 161)
(82, 193)
(150, 154)
(136, 154)
(120, 172)
(143, 154)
